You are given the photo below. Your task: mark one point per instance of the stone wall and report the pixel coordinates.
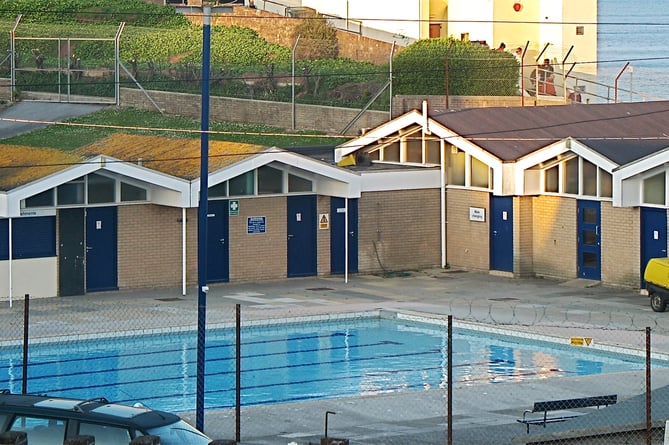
(278, 114)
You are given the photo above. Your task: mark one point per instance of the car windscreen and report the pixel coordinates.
(179, 433)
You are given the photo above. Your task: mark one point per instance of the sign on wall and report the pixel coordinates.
(255, 224)
(324, 221)
(477, 214)
(233, 207)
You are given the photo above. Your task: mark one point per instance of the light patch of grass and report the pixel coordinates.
(70, 137)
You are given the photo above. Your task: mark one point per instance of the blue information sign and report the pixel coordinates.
(255, 224)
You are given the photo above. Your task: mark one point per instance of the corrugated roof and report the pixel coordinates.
(176, 157)
(621, 132)
(21, 165)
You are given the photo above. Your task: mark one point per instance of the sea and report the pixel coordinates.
(634, 31)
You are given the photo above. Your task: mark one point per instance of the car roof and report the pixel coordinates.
(93, 410)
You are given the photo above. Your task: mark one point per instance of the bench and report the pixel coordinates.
(563, 405)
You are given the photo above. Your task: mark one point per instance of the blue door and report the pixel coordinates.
(218, 269)
(101, 249)
(338, 234)
(589, 240)
(302, 261)
(501, 233)
(653, 236)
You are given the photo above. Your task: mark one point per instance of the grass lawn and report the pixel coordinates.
(106, 122)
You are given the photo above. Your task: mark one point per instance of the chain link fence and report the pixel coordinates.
(509, 372)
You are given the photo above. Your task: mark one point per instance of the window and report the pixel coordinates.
(433, 155)
(570, 176)
(101, 189)
(391, 153)
(414, 149)
(580, 30)
(605, 184)
(589, 178)
(551, 180)
(480, 174)
(105, 434)
(456, 166)
(219, 190)
(131, 192)
(41, 431)
(297, 184)
(654, 189)
(44, 199)
(71, 192)
(270, 180)
(242, 184)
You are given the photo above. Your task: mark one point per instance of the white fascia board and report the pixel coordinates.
(464, 144)
(643, 164)
(372, 136)
(317, 168)
(592, 156)
(401, 180)
(627, 188)
(4, 210)
(15, 196)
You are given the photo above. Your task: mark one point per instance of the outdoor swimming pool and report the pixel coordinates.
(294, 362)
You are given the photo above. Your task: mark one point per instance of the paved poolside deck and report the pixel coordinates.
(483, 414)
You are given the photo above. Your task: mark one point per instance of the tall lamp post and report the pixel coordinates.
(203, 210)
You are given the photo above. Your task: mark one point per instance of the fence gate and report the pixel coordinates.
(72, 69)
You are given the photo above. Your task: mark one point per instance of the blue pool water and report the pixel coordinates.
(293, 362)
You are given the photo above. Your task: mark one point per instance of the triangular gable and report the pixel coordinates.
(343, 183)
(372, 137)
(412, 118)
(180, 186)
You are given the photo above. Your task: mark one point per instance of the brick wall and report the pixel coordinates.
(277, 114)
(523, 236)
(281, 30)
(149, 246)
(620, 245)
(398, 230)
(468, 241)
(263, 255)
(323, 237)
(439, 104)
(554, 241)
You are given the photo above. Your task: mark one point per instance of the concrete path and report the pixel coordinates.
(24, 117)
(482, 413)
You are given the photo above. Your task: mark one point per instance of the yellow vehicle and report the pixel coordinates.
(657, 283)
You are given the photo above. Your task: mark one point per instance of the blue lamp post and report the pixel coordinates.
(202, 222)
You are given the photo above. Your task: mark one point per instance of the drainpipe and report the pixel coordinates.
(9, 265)
(346, 240)
(442, 196)
(183, 251)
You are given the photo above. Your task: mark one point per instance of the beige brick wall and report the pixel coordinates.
(323, 236)
(149, 246)
(398, 230)
(554, 242)
(468, 241)
(620, 245)
(259, 256)
(523, 236)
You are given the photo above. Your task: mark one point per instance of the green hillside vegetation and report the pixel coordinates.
(71, 136)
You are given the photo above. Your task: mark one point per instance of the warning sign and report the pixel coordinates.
(324, 221)
(580, 341)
